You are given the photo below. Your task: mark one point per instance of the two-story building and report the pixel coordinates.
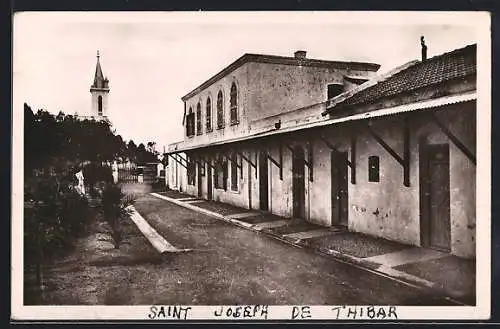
(392, 157)
(254, 95)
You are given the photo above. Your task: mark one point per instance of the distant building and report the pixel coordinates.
(99, 91)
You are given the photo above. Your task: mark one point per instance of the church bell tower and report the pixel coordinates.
(100, 92)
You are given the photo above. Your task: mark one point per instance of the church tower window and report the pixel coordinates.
(99, 105)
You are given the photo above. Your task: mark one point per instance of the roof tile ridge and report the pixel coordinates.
(370, 83)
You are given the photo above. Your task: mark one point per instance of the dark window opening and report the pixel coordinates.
(198, 120)
(234, 172)
(209, 115)
(233, 101)
(190, 123)
(373, 169)
(99, 105)
(220, 111)
(334, 90)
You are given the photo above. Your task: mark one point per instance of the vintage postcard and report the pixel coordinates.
(251, 166)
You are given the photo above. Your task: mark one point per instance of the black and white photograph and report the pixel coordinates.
(251, 165)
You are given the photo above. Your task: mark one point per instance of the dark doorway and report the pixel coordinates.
(298, 182)
(340, 196)
(263, 182)
(209, 179)
(200, 180)
(435, 196)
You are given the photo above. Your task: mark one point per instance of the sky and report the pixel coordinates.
(153, 59)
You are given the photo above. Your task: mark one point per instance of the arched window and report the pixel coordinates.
(233, 101)
(220, 110)
(99, 105)
(198, 119)
(190, 123)
(209, 115)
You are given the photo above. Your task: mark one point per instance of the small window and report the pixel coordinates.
(220, 110)
(234, 172)
(373, 169)
(198, 120)
(209, 115)
(334, 90)
(233, 102)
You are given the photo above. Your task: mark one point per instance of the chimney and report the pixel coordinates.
(300, 54)
(424, 48)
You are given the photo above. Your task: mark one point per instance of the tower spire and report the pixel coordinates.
(99, 80)
(100, 92)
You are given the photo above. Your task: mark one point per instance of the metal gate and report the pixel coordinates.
(128, 175)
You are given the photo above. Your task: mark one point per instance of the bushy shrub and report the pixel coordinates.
(94, 173)
(54, 214)
(114, 205)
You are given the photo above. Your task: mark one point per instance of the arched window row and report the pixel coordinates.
(196, 121)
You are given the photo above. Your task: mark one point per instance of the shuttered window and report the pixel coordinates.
(373, 169)
(220, 110)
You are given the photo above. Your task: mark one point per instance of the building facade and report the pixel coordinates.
(390, 156)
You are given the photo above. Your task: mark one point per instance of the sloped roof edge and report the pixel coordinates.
(273, 59)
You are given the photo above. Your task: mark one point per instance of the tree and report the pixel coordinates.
(132, 151)
(151, 147)
(141, 154)
(120, 147)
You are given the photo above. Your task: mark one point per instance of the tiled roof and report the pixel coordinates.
(452, 65)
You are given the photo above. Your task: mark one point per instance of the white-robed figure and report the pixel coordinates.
(114, 167)
(80, 187)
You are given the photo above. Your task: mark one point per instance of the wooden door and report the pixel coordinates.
(263, 181)
(339, 193)
(200, 180)
(209, 179)
(298, 183)
(435, 185)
